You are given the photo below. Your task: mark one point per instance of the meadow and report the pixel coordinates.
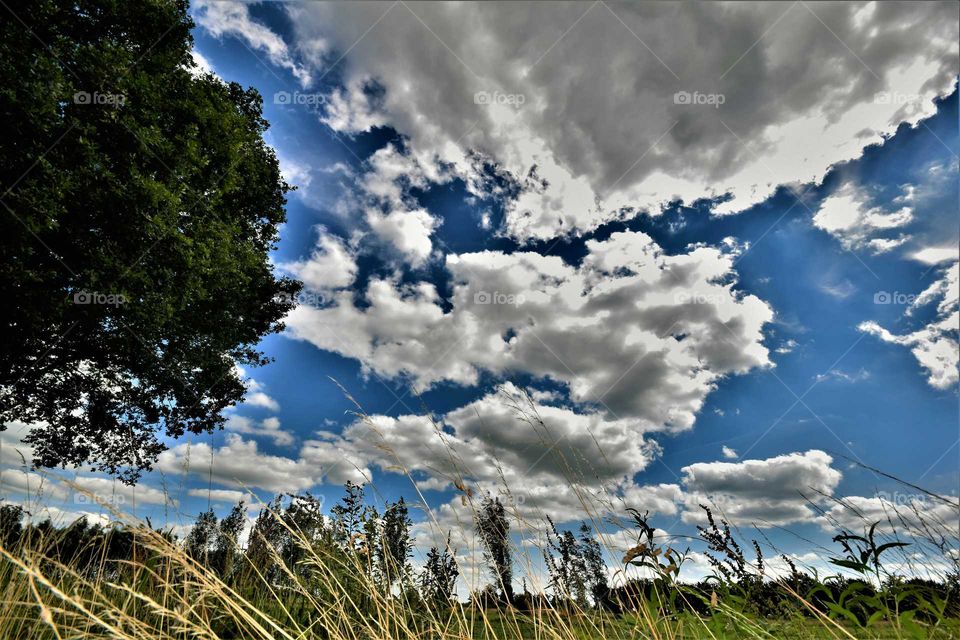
(347, 573)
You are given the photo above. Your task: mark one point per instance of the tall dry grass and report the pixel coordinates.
(51, 588)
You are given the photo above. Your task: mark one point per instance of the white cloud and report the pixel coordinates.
(843, 376)
(203, 66)
(504, 439)
(268, 428)
(332, 265)
(917, 515)
(935, 255)
(233, 19)
(114, 492)
(764, 493)
(256, 396)
(34, 487)
(227, 496)
(729, 453)
(682, 327)
(260, 399)
(803, 87)
(787, 347)
(392, 215)
(935, 346)
(848, 215)
(62, 517)
(239, 463)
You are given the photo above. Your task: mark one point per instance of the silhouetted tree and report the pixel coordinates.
(595, 569)
(395, 545)
(439, 576)
(565, 565)
(201, 537)
(348, 517)
(494, 532)
(226, 547)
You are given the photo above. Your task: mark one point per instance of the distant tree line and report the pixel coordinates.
(296, 556)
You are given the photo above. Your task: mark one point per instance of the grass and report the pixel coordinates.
(345, 575)
(130, 581)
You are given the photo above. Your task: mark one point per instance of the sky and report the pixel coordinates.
(635, 255)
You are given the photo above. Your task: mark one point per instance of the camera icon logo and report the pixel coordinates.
(882, 297)
(481, 297)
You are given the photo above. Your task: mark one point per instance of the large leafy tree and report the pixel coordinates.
(139, 205)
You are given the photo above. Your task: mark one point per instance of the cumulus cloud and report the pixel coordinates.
(767, 492)
(847, 214)
(332, 265)
(936, 346)
(918, 515)
(267, 428)
(79, 488)
(392, 214)
(256, 396)
(802, 87)
(228, 496)
(681, 326)
(505, 439)
(239, 463)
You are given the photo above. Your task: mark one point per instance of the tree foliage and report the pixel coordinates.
(139, 205)
(494, 532)
(439, 576)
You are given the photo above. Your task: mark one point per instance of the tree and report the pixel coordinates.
(266, 542)
(494, 532)
(348, 518)
(395, 545)
(201, 538)
(226, 548)
(439, 576)
(595, 568)
(567, 569)
(139, 205)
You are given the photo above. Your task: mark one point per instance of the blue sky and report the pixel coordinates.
(801, 236)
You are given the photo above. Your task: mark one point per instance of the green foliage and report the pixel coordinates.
(862, 553)
(395, 546)
(140, 204)
(665, 562)
(565, 566)
(329, 577)
(439, 576)
(494, 532)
